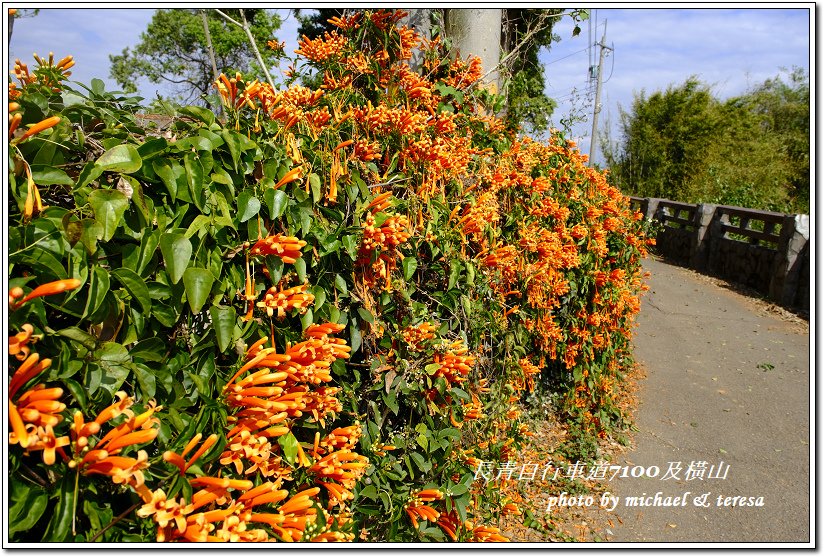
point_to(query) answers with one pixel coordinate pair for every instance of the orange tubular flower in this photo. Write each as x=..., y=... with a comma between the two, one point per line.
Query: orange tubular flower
x=488, y=534
x=285, y=300
x=38, y=127
x=425, y=512
x=48, y=289
x=30, y=368
x=224, y=483
x=14, y=123
x=290, y=176
x=286, y=247
x=18, y=344
x=178, y=459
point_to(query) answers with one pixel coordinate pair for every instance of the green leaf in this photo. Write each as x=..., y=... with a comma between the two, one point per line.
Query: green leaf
x=458, y=489
x=233, y=143
x=177, y=251
x=355, y=336
x=80, y=336
x=113, y=359
x=89, y=232
x=198, y=283
x=98, y=288
x=314, y=183
x=194, y=177
x=247, y=206
x=366, y=315
x=350, y=242
x=199, y=224
x=289, y=444
x=223, y=324
x=48, y=175
x=79, y=393
x=307, y=319
x=28, y=505
x=121, y=158
x=60, y=526
x=409, y=264
x=300, y=269
x=170, y=173
x=109, y=207
x=277, y=201
x=152, y=148
x=198, y=113
x=146, y=379
x=340, y=285
x=135, y=286
x=150, y=349
x=454, y=273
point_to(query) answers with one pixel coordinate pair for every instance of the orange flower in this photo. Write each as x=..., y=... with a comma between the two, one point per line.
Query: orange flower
x=37, y=128
x=48, y=289
x=290, y=176
x=286, y=247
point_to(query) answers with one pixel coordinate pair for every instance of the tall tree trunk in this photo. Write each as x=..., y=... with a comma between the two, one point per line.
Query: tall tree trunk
x=419, y=19
x=478, y=32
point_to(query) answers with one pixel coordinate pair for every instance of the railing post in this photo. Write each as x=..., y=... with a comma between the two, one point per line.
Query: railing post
x=652, y=208
x=795, y=233
x=699, y=259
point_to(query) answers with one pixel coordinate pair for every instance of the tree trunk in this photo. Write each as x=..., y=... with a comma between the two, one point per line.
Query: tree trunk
x=477, y=32
x=419, y=19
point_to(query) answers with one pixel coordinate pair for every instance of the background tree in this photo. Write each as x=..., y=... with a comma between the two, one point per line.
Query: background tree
x=173, y=50
x=750, y=151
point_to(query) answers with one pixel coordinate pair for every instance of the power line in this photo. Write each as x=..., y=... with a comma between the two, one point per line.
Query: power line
x=567, y=56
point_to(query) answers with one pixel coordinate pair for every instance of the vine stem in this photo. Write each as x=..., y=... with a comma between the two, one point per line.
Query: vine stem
x=115, y=520
x=74, y=501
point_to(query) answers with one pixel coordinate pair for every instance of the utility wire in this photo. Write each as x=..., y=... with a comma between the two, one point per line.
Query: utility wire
x=612, y=51
x=567, y=56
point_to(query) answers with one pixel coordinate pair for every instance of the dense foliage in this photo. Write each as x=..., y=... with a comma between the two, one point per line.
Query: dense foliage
x=751, y=151
x=314, y=319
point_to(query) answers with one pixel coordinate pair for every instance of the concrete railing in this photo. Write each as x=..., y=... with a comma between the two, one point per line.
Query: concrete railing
x=764, y=250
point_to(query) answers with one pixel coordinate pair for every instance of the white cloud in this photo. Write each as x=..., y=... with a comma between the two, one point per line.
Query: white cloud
x=729, y=49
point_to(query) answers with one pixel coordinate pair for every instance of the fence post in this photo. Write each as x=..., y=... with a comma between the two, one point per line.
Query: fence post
x=795, y=233
x=704, y=214
x=651, y=208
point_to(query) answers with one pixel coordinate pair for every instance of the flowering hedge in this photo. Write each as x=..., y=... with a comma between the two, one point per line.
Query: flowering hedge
x=311, y=319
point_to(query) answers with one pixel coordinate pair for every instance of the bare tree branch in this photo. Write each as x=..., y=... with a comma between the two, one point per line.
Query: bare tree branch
x=245, y=27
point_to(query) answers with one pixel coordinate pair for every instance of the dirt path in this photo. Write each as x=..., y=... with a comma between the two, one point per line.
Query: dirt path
x=727, y=384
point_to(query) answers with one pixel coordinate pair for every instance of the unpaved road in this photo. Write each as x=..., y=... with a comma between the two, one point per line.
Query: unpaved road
x=726, y=383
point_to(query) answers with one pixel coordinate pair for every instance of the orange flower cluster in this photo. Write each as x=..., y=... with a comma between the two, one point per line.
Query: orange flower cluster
x=279, y=300
x=464, y=73
x=286, y=247
x=484, y=211
x=454, y=363
x=234, y=97
x=103, y=457
x=331, y=45
x=48, y=73
x=378, y=252
x=34, y=413
x=418, y=337
x=416, y=507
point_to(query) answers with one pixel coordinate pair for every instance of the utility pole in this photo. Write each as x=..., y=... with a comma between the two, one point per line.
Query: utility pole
x=597, y=109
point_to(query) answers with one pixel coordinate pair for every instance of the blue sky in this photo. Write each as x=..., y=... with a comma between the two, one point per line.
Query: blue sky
x=730, y=49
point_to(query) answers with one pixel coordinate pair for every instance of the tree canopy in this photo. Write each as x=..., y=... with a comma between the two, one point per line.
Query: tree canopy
x=173, y=50
x=686, y=144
